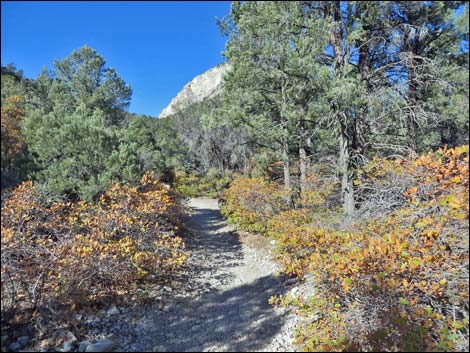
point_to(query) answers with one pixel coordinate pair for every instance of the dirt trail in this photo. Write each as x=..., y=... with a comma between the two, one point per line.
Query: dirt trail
x=224, y=306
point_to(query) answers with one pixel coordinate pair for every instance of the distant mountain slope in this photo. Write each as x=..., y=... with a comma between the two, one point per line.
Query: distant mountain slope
x=205, y=85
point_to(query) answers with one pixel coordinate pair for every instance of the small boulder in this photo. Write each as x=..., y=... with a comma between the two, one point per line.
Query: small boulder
x=104, y=345
x=22, y=341
x=83, y=346
x=112, y=311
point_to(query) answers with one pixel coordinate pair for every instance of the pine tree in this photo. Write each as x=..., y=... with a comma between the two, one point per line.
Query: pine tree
x=74, y=124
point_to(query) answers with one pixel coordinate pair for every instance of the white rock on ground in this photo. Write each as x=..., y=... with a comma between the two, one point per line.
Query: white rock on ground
x=83, y=345
x=104, y=345
x=112, y=311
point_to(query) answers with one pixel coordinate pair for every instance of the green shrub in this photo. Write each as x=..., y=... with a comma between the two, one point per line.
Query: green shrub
x=193, y=185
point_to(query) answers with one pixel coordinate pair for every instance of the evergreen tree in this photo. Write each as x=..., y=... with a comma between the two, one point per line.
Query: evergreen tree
x=71, y=150
x=275, y=75
x=83, y=78
x=73, y=127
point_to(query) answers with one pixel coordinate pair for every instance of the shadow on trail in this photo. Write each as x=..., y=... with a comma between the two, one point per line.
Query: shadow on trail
x=206, y=219
x=210, y=238
x=239, y=319
x=227, y=317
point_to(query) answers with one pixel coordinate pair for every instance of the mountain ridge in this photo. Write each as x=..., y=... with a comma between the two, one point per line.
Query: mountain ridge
x=205, y=85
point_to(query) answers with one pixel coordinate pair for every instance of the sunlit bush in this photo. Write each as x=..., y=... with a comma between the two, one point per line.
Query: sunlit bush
x=193, y=185
x=394, y=283
x=67, y=254
x=251, y=202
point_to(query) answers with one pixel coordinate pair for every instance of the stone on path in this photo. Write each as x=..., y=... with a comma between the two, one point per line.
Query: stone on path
x=104, y=345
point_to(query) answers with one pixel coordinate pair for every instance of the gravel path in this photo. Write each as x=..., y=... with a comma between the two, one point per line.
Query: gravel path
x=224, y=304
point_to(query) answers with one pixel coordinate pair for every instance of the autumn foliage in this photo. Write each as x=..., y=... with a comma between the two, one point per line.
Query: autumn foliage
x=12, y=140
x=251, y=202
x=397, y=281
x=194, y=185
x=62, y=254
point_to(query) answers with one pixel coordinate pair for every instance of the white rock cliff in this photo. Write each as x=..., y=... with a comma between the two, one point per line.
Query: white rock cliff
x=205, y=85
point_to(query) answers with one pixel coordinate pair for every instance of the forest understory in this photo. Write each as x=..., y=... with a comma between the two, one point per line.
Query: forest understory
x=336, y=148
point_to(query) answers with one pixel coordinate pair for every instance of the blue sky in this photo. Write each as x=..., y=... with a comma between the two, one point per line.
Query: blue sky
x=156, y=47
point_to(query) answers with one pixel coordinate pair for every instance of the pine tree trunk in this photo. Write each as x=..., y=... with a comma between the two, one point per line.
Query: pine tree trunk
x=411, y=133
x=286, y=169
x=359, y=141
x=286, y=164
x=285, y=146
x=336, y=39
x=347, y=191
x=309, y=144
x=303, y=169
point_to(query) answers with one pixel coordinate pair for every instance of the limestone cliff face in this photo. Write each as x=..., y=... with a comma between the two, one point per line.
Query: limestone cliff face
x=203, y=86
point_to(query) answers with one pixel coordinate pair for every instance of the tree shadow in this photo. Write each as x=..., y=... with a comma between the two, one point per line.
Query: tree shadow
x=205, y=219
x=238, y=319
x=209, y=235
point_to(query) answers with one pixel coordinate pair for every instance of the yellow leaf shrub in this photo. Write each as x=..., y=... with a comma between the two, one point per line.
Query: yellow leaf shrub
x=12, y=141
x=317, y=189
x=193, y=185
x=68, y=253
x=395, y=280
x=251, y=202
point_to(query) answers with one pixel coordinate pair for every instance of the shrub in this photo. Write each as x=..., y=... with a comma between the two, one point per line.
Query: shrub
x=12, y=141
x=297, y=232
x=193, y=185
x=60, y=254
x=380, y=185
x=251, y=202
x=394, y=283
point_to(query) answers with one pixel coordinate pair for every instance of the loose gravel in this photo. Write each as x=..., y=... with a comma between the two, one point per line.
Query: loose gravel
x=220, y=304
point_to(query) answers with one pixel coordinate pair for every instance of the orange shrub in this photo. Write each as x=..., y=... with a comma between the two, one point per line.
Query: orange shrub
x=12, y=141
x=296, y=232
x=251, y=202
x=319, y=189
x=397, y=283
x=58, y=253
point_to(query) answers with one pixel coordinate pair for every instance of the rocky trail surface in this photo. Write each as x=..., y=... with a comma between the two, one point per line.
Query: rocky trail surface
x=220, y=304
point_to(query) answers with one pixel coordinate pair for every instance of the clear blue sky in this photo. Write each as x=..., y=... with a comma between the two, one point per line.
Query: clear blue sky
x=156, y=47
